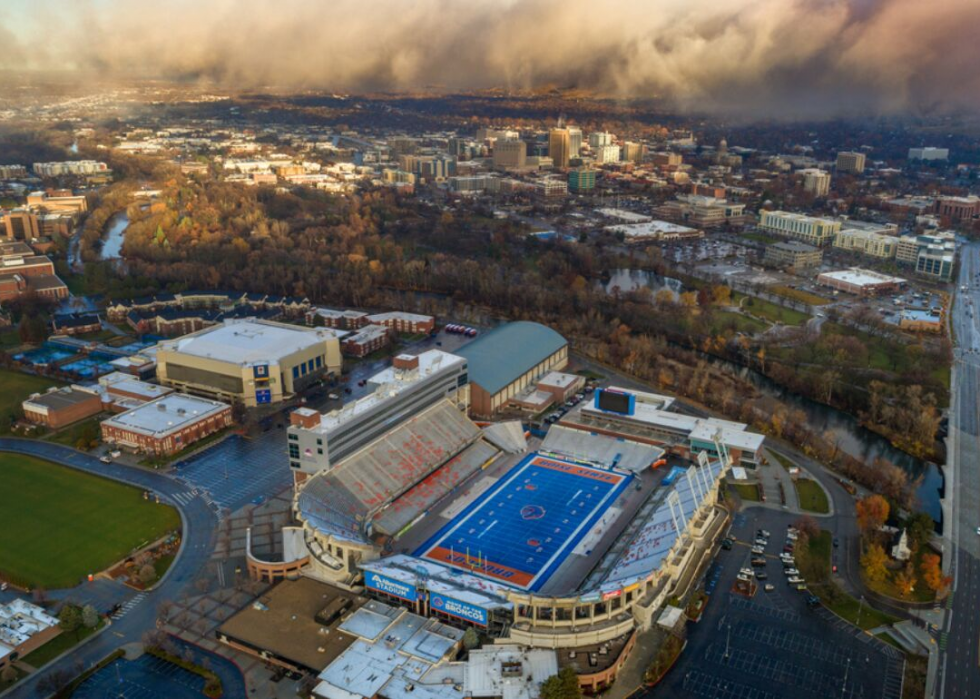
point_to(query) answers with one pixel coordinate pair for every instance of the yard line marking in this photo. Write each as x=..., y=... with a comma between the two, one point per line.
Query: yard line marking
x=492, y=524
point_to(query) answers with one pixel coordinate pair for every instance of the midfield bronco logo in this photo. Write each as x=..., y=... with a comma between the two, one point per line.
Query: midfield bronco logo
x=532, y=512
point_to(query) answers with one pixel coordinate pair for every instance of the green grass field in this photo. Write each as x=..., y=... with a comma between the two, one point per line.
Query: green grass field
x=812, y=496
x=799, y=295
x=774, y=313
x=17, y=387
x=60, y=524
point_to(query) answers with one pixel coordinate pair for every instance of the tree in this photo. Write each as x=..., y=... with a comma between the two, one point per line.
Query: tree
x=9, y=674
x=471, y=639
x=920, y=528
x=564, y=685
x=932, y=573
x=147, y=574
x=70, y=618
x=905, y=581
x=807, y=525
x=873, y=561
x=872, y=512
x=90, y=617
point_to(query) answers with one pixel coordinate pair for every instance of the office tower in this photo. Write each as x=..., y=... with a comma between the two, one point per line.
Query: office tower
x=559, y=147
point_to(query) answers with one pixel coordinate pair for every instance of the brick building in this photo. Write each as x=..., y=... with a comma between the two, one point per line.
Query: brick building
x=62, y=406
x=166, y=425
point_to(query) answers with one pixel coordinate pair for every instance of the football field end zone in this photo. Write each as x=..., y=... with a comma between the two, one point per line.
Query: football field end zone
x=479, y=562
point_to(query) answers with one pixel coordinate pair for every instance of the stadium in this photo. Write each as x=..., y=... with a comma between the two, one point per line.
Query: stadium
x=570, y=542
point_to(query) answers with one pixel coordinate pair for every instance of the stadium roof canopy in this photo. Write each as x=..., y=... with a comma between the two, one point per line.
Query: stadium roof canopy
x=509, y=351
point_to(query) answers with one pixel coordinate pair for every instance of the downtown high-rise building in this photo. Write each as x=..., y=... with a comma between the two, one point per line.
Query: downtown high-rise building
x=559, y=147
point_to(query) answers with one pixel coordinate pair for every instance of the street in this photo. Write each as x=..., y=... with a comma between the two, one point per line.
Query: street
x=960, y=666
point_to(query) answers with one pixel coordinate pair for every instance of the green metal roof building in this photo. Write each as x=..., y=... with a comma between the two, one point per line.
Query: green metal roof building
x=508, y=359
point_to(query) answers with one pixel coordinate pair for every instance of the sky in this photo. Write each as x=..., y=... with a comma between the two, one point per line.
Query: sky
x=810, y=58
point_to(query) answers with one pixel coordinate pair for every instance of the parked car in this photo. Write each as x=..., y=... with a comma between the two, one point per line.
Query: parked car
x=727, y=544
x=769, y=587
x=758, y=550
x=758, y=562
x=333, y=396
x=105, y=459
x=791, y=572
x=761, y=575
x=115, y=453
x=763, y=533
x=761, y=542
x=812, y=601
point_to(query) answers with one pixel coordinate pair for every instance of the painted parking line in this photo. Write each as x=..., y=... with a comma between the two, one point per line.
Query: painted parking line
x=785, y=672
x=703, y=684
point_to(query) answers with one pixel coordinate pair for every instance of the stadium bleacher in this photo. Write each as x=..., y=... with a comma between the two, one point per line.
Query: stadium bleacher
x=651, y=544
x=340, y=501
x=433, y=488
x=600, y=449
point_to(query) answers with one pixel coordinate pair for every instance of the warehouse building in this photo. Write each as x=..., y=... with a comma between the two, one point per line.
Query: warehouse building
x=508, y=359
x=62, y=406
x=249, y=361
x=862, y=282
x=166, y=425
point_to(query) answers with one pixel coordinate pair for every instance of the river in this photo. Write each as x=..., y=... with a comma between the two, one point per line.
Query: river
x=112, y=241
x=855, y=439
x=627, y=280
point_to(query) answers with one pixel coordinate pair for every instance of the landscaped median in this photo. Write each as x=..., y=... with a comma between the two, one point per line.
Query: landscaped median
x=812, y=496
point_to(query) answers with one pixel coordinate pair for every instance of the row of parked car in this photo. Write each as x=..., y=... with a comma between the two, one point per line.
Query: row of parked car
x=455, y=329
x=569, y=404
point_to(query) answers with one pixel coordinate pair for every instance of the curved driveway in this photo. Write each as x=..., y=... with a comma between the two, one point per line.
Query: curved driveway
x=200, y=523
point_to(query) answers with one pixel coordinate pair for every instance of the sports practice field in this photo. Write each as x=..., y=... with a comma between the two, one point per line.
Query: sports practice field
x=59, y=524
x=521, y=530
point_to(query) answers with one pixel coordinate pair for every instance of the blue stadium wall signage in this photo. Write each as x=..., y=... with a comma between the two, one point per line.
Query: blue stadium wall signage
x=461, y=610
x=263, y=396
x=382, y=583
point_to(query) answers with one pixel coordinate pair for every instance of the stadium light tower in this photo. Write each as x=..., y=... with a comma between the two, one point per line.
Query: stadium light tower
x=722, y=450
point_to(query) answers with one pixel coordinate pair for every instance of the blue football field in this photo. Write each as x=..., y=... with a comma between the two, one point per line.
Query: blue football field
x=521, y=530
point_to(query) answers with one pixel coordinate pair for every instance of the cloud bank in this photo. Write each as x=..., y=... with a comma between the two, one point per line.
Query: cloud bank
x=814, y=58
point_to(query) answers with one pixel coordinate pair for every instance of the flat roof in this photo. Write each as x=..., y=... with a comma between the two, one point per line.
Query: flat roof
x=390, y=382
x=283, y=622
x=560, y=379
x=248, y=341
x=920, y=315
x=651, y=228
x=61, y=398
x=165, y=415
x=861, y=277
x=118, y=381
x=485, y=676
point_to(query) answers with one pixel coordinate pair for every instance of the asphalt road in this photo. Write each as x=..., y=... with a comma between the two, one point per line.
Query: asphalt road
x=960, y=666
x=200, y=523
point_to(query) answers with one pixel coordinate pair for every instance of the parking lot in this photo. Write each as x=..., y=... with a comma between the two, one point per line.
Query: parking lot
x=772, y=644
x=237, y=470
x=147, y=677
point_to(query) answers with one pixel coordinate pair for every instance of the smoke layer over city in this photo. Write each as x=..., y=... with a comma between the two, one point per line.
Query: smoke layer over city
x=815, y=58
